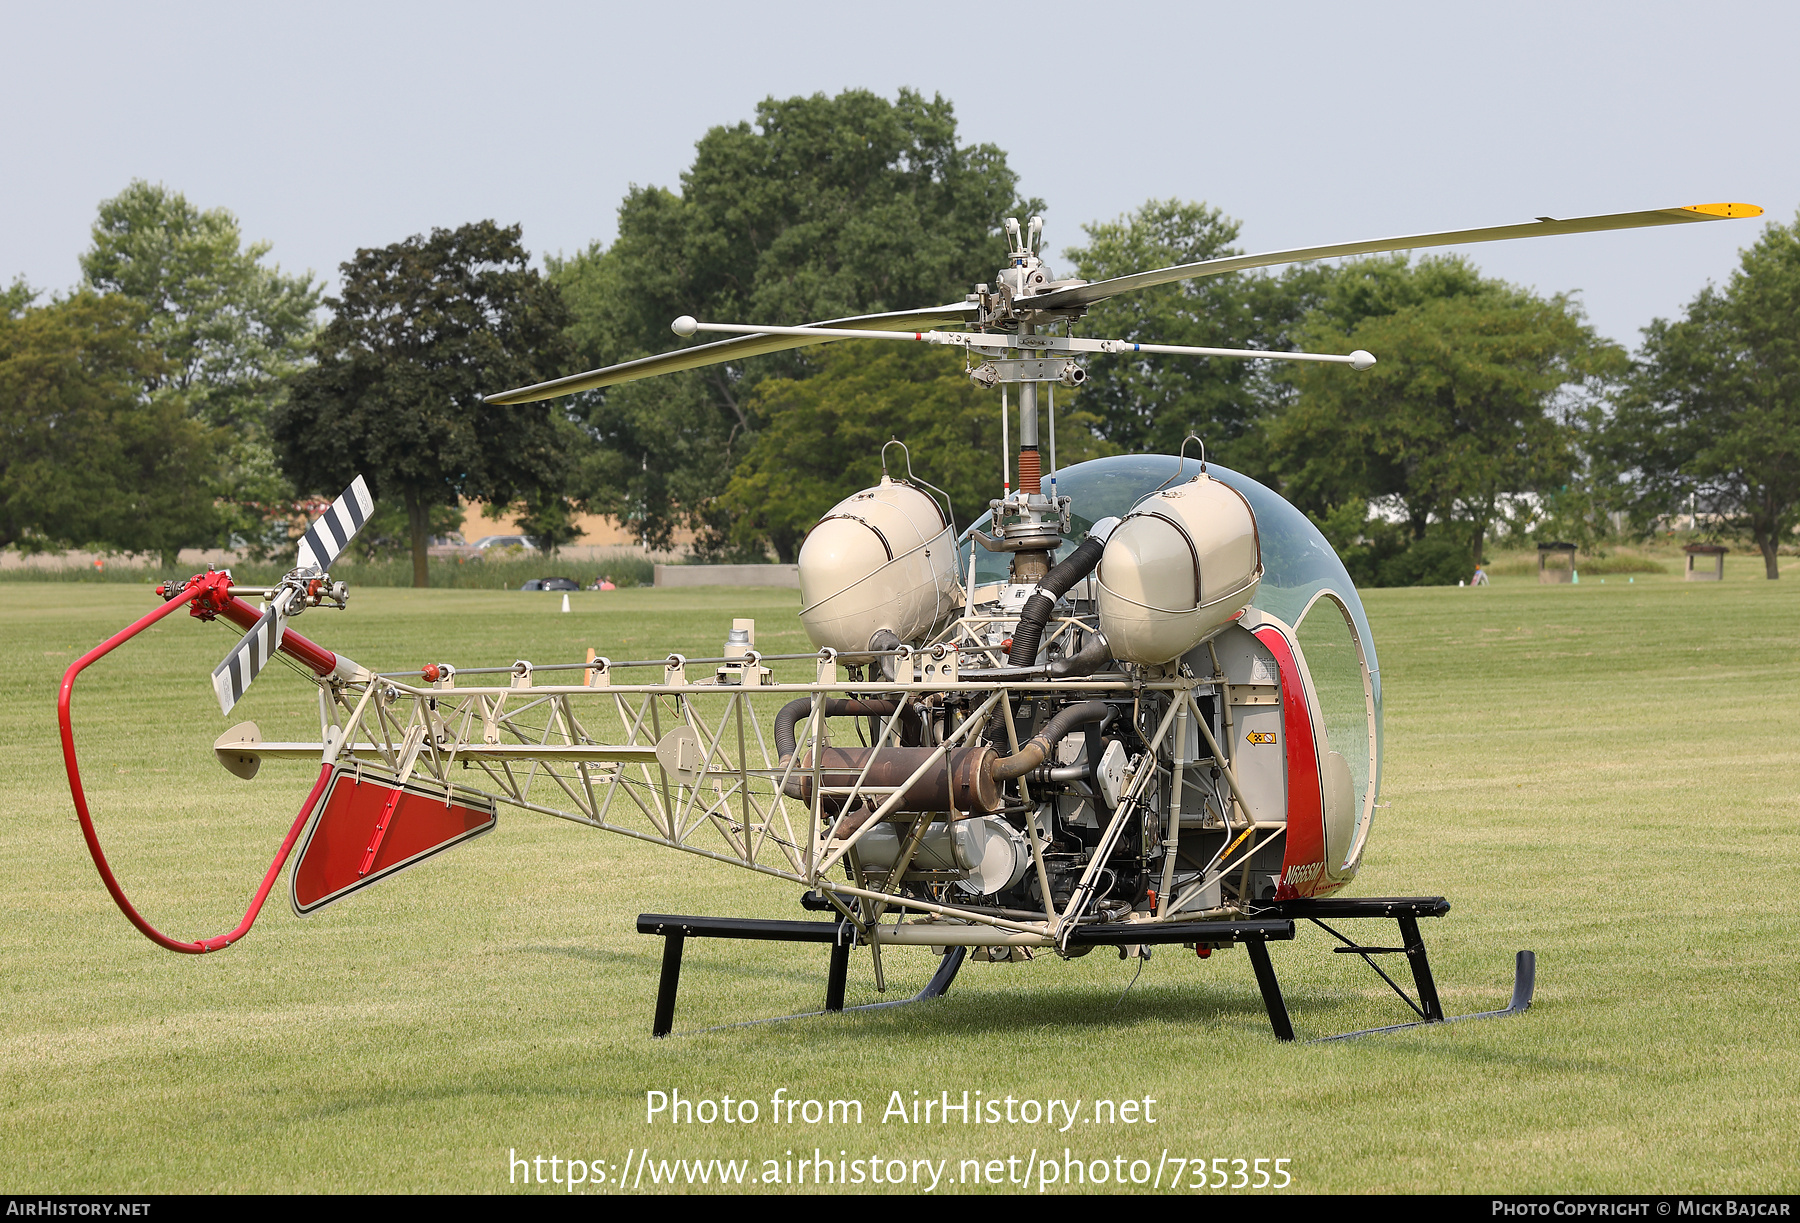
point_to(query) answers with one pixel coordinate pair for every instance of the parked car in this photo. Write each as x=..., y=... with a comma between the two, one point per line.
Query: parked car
x=551, y=584
x=450, y=545
x=488, y=543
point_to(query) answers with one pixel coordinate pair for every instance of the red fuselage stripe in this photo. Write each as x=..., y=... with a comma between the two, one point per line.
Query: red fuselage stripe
x=1305, y=801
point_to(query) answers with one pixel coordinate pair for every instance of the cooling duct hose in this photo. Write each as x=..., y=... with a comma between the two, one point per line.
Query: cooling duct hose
x=1055, y=585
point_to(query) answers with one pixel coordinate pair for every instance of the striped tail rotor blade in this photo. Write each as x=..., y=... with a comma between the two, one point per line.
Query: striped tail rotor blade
x=232, y=678
x=330, y=533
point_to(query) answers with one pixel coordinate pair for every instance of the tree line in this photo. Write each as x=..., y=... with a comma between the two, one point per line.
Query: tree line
x=187, y=392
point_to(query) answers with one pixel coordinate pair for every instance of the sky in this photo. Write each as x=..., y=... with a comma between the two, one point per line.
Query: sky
x=327, y=127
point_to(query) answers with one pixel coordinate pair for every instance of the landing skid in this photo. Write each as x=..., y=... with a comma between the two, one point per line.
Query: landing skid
x=676, y=930
x=1405, y=911
x=1275, y=923
x=1524, y=984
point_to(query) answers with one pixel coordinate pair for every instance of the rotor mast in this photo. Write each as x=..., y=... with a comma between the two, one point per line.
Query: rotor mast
x=1029, y=524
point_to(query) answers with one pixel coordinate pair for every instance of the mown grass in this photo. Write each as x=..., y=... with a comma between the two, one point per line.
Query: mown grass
x=1613, y=562
x=1608, y=774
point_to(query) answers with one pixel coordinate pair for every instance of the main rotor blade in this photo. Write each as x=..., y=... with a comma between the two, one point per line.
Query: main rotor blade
x=332, y=531
x=731, y=350
x=1543, y=227
x=233, y=677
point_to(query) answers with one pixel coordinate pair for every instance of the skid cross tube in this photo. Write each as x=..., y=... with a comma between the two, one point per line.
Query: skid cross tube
x=1405, y=911
x=1427, y=1008
x=1524, y=986
x=676, y=929
x=1255, y=935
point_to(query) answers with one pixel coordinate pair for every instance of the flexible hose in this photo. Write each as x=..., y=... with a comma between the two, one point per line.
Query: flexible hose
x=885, y=640
x=1077, y=565
x=1038, y=749
x=835, y=707
x=1093, y=656
x=1029, y=756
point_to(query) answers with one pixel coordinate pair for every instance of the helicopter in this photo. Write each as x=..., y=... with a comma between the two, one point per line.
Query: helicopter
x=1134, y=703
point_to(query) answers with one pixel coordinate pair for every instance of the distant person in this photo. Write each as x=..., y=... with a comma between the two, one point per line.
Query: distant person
x=604, y=582
x=1480, y=578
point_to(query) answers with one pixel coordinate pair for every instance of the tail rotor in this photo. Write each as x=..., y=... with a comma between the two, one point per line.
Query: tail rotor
x=233, y=676
x=330, y=533
x=308, y=584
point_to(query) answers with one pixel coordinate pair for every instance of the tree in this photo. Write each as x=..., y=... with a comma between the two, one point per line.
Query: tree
x=1471, y=399
x=386, y=534
x=421, y=330
x=16, y=298
x=229, y=326
x=825, y=207
x=823, y=436
x=1712, y=412
x=1153, y=402
x=87, y=457
x=1310, y=452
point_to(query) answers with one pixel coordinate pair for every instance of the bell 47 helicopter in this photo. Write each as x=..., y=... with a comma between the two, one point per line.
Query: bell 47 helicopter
x=1136, y=702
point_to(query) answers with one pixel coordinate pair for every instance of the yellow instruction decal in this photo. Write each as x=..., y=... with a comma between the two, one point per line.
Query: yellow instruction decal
x=1257, y=736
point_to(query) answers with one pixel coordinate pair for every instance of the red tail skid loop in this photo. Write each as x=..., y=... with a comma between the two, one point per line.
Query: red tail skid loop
x=87, y=823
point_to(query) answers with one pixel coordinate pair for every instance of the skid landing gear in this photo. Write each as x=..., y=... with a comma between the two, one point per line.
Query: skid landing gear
x=1274, y=924
x=1406, y=912
x=675, y=930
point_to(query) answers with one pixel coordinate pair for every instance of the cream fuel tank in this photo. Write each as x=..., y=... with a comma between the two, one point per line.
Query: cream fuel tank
x=881, y=561
x=1180, y=566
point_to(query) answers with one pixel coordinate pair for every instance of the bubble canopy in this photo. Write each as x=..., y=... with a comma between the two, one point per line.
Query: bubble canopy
x=1297, y=562
x=1298, y=565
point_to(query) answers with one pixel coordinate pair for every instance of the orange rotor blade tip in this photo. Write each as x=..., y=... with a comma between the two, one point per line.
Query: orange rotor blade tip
x=1725, y=210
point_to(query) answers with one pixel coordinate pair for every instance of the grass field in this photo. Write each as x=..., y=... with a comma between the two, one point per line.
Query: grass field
x=1607, y=773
